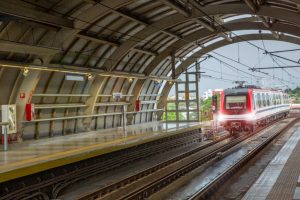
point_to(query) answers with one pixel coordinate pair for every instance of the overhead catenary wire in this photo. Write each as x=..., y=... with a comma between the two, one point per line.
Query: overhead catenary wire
x=212, y=20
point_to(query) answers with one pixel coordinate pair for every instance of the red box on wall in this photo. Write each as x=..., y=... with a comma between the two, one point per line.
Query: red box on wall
x=29, y=112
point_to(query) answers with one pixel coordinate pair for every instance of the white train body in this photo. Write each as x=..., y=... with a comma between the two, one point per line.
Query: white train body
x=247, y=108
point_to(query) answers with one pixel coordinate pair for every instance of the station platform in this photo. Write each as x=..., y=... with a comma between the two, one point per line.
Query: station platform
x=30, y=157
x=281, y=179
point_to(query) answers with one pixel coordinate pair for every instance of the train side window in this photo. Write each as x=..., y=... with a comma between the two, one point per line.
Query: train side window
x=273, y=99
x=258, y=100
x=286, y=99
x=253, y=101
x=268, y=99
x=263, y=100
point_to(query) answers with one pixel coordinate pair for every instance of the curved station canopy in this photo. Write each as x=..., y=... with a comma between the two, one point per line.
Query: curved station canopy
x=117, y=46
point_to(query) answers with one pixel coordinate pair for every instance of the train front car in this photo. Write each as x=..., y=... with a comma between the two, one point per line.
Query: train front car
x=236, y=110
x=244, y=109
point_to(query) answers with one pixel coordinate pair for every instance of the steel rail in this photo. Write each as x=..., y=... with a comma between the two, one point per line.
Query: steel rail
x=207, y=191
x=110, y=188
x=150, y=188
x=84, y=171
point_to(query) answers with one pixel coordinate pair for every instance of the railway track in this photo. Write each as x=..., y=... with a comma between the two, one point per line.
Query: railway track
x=115, y=186
x=207, y=191
x=49, y=184
x=148, y=182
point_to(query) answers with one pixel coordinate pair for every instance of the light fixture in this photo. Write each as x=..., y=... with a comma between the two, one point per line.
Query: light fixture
x=170, y=82
x=25, y=71
x=130, y=79
x=157, y=81
x=90, y=77
x=82, y=74
x=74, y=77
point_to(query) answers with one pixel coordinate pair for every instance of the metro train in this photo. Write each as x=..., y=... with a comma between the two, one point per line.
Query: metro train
x=246, y=108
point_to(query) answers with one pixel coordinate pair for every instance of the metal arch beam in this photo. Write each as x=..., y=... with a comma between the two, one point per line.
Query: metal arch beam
x=8, y=46
x=203, y=34
x=173, y=5
x=215, y=46
x=210, y=10
x=112, y=43
x=34, y=15
x=255, y=8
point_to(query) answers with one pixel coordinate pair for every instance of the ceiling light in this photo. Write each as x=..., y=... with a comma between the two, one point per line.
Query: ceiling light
x=25, y=71
x=90, y=77
x=130, y=79
x=74, y=77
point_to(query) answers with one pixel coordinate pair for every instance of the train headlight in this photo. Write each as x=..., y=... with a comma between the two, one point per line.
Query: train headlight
x=250, y=116
x=221, y=118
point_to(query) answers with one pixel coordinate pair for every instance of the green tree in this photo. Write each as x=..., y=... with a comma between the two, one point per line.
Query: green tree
x=294, y=94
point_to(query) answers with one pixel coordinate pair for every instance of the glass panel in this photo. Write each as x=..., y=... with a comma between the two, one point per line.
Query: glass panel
x=192, y=77
x=182, y=115
x=193, y=105
x=171, y=116
x=181, y=87
x=192, y=86
x=193, y=116
x=182, y=106
x=193, y=96
x=171, y=106
x=182, y=77
x=181, y=96
x=236, y=102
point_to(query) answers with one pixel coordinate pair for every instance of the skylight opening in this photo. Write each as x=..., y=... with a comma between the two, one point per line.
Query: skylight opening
x=213, y=41
x=236, y=17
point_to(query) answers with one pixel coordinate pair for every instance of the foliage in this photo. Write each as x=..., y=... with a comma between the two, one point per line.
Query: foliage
x=205, y=105
x=294, y=94
x=172, y=115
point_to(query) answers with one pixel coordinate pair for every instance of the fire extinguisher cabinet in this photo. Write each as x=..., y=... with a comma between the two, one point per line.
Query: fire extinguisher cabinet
x=137, y=105
x=29, y=112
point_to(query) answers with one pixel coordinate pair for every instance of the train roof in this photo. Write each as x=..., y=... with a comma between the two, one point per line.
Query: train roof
x=242, y=90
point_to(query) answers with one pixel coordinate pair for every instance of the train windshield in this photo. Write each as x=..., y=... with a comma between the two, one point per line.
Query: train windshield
x=236, y=102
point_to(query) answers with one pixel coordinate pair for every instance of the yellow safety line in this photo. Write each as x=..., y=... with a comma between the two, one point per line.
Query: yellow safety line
x=71, y=156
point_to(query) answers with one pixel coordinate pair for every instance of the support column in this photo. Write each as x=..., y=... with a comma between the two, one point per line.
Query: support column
x=135, y=91
x=28, y=86
x=124, y=119
x=173, y=68
x=198, y=75
x=92, y=100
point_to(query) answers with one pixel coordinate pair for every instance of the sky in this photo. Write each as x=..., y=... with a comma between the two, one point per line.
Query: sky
x=248, y=55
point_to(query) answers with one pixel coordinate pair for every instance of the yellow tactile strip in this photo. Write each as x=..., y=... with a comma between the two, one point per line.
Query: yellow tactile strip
x=286, y=183
x=42, y=163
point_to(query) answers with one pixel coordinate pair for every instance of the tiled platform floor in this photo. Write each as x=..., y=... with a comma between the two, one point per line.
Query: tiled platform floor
x=34, y=156
x=279, y=179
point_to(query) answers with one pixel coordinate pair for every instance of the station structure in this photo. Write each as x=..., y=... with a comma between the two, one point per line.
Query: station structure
x=86, y=80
